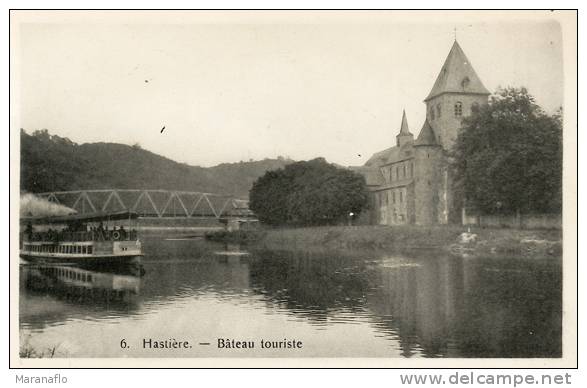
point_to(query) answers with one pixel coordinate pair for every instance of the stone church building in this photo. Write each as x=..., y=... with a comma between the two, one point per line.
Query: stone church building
x=410, y=182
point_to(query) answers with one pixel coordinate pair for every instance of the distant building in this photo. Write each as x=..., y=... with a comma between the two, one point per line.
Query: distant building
x=410, y=182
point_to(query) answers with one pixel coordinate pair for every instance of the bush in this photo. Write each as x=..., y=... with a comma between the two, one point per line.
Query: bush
x=308, y=193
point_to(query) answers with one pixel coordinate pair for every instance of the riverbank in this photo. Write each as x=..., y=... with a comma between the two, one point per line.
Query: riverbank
x=450, y=238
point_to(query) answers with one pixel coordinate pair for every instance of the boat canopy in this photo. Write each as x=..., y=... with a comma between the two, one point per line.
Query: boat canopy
x=81, y=218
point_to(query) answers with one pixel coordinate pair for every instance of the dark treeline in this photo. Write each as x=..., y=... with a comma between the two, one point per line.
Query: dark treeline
x=52, y=163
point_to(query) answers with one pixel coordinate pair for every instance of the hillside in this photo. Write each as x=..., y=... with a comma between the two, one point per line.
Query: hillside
x=53, y=163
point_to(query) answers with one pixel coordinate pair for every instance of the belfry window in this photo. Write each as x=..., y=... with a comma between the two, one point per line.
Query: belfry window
x=431, y=113
x=438, y=110
x=458, y=109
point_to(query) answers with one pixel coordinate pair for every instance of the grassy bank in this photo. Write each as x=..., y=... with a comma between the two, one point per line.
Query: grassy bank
x=406, y=237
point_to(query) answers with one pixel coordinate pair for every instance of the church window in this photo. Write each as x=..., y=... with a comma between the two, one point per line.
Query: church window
x=401, y=196
x=404, y=170
x=431, y=113
x=393, y=197
x=412, y=169
x=397, y=172
x=438, y=110
x=458, y=109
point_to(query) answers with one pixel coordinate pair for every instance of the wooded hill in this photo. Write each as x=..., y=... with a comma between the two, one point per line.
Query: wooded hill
x=53, y=163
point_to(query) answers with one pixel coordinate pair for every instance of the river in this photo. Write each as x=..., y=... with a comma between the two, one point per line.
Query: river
x=331, y=304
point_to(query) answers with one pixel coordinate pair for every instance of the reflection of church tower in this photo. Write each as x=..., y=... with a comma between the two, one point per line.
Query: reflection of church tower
x=456, y=90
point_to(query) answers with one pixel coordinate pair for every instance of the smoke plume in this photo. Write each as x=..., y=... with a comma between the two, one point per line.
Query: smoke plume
x=31, y=206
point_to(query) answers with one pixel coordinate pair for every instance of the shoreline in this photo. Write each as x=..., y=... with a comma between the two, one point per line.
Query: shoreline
x=455, y=239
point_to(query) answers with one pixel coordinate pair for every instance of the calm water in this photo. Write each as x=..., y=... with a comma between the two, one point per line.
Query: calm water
x=360, y=304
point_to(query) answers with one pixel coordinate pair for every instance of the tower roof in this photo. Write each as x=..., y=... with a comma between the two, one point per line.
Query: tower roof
x=426, y=136
x=405, y=130
x=457, y=75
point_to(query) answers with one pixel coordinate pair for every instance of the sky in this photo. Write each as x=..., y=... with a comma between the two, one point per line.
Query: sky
x=238, y=86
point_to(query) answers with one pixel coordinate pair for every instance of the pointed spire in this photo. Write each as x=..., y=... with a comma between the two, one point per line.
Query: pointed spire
x=405, y=130
x=404, y=136
x=457, y=75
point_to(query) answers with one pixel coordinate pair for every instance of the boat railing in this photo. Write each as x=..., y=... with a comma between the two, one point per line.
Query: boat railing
x=92, y=235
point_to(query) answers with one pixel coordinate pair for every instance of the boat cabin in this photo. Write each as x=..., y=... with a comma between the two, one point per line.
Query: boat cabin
x=97, y=235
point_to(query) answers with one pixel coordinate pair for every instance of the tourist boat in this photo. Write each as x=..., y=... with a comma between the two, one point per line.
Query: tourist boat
x=92, y=238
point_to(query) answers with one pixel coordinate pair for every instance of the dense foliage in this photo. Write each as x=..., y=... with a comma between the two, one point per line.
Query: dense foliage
x=508, y=156
x=53, y=163
x=308, y=193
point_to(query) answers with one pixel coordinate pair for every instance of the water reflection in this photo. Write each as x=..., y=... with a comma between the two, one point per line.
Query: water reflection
x=76, y=291
x=439, y=305
x=428, y=304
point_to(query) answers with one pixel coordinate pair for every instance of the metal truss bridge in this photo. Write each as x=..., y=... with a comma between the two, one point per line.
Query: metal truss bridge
x=152, y=203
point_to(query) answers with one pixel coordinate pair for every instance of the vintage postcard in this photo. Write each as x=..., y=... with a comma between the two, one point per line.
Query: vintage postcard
x=293, y=189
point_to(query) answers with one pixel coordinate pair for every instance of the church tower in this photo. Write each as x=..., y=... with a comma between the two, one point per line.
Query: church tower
x=456, y=90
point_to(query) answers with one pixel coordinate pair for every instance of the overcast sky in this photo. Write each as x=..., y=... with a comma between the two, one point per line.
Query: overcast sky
x=254, y=86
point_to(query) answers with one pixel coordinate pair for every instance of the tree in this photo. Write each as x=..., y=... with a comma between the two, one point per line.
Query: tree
x=308, y=193
x=508, y=156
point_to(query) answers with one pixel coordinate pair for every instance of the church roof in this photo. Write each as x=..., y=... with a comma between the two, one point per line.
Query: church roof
x=373, y=175
x=457, y=76
x=426, y=136
x=382, y=157
x=405, y=130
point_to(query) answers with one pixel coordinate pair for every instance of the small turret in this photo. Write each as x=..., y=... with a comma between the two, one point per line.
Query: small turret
x=405, y=136
x=426, y=136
